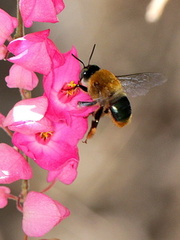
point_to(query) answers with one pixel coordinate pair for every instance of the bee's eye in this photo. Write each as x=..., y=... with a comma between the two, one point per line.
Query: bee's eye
x=83, y=73
x=88, y=71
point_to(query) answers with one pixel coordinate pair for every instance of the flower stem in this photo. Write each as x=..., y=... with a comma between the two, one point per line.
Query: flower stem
x=25, y=188
x=9, y=133
x=13, y=197
x=25, y=184
x=25, y=94
x=20, y=28
x=49, y=186
x=25, y=237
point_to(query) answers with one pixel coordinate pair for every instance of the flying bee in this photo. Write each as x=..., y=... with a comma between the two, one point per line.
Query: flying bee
x=109, y=92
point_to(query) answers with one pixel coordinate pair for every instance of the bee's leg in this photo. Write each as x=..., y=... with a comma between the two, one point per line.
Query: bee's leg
x=87, y=104
x=94, y=123
x=106, y=111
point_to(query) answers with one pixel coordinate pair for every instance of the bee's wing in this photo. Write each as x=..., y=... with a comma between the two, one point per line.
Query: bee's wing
x=140, y=83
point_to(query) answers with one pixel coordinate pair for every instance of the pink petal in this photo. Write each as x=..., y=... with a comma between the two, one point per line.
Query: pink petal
x=41, y=214
x=59, y=5
x=64, y=212
x=30, y=50
x=2, y=118
x=12, y=165
x=20, y=77
x=26, y=111
x=3, y=51
x=21, y=44
x=75, y=131
x=4, y=194
x=66, y=174
x=7, y=28
x=40, y=11
x=32, y=127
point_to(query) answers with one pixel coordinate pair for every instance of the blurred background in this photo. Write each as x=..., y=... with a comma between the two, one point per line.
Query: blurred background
x=128, y=187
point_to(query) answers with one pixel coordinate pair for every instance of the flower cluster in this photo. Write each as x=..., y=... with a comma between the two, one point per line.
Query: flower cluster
x=47, y=128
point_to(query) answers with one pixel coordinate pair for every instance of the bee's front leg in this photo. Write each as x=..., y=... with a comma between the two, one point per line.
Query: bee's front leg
x=87, y=104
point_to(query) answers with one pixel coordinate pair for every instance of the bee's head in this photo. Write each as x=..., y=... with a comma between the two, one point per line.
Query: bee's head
x=88, y=71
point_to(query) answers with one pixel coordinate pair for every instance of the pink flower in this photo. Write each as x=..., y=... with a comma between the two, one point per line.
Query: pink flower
x=35, y=52
x=40, y=11
x=41, y=214
x=20, y=77
x=12, y=165
x=51, y=149
x=3, y=51
x=62, y=93
x=4, y=194
x=50, y=144
x=27, y=116
x=67, y=173
x=7, y=26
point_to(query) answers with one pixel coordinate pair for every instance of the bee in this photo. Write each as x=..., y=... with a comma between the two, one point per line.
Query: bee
x=109, y=92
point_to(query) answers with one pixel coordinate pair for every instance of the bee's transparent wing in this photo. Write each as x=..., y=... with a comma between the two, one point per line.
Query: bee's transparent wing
x=140, y=83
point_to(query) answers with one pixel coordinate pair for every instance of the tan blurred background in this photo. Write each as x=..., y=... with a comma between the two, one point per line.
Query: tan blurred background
x=128, y=187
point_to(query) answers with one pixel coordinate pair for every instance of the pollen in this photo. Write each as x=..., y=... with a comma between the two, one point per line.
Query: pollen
x=44, y=137
x=71, y=84
x=70, y=88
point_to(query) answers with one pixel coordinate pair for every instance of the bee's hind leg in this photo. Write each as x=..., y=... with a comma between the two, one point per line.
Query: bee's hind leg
x=97, y=115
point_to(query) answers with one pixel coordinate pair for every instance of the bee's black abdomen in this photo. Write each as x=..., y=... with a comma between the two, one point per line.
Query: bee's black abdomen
x=121, y=109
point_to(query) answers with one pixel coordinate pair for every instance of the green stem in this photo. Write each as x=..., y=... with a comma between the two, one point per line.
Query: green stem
x=25, y=94
x=24, y=186
x=20, y=28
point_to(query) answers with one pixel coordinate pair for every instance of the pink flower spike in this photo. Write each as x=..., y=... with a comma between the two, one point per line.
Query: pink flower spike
x=12, y=165
x=6, y=29
x=24, y=115
x=40, y=11
x=66, y=174
x=41, y=214
x=20, y=77
x=4, y=194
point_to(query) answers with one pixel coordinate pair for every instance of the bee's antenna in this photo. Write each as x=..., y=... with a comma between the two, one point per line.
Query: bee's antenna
x=78, y=60
x=89, y=57
x=91, y=53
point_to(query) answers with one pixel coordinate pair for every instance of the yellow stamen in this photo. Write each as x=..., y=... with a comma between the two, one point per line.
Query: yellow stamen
x=70, y=88
x=45, y=135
